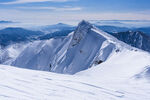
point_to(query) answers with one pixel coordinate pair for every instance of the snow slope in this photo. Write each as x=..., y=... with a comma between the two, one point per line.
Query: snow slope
x=39, y=54
x=116, y=79
x=9, y=53
x=76, y=52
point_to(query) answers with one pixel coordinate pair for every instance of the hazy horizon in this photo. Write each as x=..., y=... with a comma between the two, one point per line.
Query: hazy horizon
x=55, y=11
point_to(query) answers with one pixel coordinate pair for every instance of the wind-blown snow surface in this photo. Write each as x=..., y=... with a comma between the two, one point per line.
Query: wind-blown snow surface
x=116, y=79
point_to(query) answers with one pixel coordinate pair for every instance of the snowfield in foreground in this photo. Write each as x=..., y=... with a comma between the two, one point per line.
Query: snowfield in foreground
x=124, y=76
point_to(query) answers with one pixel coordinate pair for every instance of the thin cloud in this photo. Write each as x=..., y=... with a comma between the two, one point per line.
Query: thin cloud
x=46, y=17
x=52, y=8
x=32, y=1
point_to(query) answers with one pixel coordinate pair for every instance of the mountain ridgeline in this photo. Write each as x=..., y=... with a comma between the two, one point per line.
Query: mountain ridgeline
x=135, y=38
x=80, y=50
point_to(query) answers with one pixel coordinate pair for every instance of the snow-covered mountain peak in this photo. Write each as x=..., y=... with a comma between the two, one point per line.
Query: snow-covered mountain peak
x=88, y=46
x=81, y=31
x=83, y=27
x=83, y=48
x=62, y=24
x=84, y=23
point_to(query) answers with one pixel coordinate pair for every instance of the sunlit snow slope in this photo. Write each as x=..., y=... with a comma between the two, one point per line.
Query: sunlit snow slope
x=122, y=77
x=9, y=53
x=83, y=48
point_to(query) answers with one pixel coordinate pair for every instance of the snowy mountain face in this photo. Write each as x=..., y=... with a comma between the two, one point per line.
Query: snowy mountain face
x=80, y=50
x=145, y=30
x=9, y=53
x=135, y=38
x=84, y=50
x=39, y=54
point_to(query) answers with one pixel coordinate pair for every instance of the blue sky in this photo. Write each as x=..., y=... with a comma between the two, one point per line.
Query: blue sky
x=53, y=11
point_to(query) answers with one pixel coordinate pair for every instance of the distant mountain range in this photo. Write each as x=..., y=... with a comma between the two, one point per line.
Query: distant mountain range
x=53, y=28
x=57, y=27
x=112, y=29
x=146, y=30
x=3, y=22
x=122, y=23
x=15, y=35
x=55, y=34
x=135, y=38
x=115, y=29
